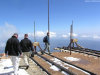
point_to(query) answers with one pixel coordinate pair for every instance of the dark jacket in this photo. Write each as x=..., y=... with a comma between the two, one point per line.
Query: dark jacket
x=48, y=41
x=13, y=47
x=26, y=45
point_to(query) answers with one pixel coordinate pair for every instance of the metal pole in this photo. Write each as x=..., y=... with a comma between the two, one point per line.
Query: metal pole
x=71, y=36
x=71, y=32
x=48, y=24
x=34, y=37
x=34, y=32
x=48, y=17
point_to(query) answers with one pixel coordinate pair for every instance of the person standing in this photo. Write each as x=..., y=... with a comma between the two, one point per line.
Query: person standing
x=47, y=43
x=13, y=49
x=26, y=47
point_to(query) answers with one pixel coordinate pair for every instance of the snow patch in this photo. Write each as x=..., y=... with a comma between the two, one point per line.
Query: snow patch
x=72, y=59
x=59, y=62
x=54, y=68
x=6, y=68
x=64, y=73
x=63, y=64
x=22, y=72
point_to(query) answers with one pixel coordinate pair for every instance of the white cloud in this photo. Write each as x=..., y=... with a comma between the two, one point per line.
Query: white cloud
x=7, y=31
x=85, y=36
x=2, y=44
x=96, y=37
x=64, y=36
x=74, y=34
x=40, y=34
x=90, y=36
x=52, y=34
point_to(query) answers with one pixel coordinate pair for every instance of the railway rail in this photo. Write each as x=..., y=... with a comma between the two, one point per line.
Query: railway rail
x=83, y=50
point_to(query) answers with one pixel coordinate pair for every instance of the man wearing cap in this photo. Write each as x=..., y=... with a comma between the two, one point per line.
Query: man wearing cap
x=13, y=49
x=26, y=47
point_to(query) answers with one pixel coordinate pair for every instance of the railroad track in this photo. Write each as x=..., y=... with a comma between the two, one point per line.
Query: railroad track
x=84, y=51
x=40, y=66
x=47, y=58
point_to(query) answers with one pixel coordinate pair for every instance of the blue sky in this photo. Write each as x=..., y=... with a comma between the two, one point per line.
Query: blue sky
x=21, y=14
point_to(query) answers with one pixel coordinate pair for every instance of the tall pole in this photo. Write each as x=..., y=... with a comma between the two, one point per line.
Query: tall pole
x=34, y=32
x=71, y=36
x=34, y=38
x=71, y=31
x=48, y=18
x=48, y=26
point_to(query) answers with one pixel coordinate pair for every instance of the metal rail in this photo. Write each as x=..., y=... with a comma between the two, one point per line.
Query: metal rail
x=60, y=67
x=40, y=66
x=72, y=64
x=85, y=51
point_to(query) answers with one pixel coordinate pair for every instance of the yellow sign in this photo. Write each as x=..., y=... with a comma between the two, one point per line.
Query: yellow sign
x=75, y=40
x=36, y=44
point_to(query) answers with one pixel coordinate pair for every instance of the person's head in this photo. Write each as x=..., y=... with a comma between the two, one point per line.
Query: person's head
x=16, y=35
x=26, y=36
x=47, y=33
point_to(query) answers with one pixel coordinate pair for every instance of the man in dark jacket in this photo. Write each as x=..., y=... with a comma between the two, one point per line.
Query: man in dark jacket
x=26, y=47
x=13, y=49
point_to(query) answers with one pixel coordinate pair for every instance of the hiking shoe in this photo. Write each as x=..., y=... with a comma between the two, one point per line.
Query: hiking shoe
x=27, y=67
x=42, y=52
x=50, y=53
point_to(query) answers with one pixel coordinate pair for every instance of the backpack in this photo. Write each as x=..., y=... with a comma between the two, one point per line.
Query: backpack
x=45, y=39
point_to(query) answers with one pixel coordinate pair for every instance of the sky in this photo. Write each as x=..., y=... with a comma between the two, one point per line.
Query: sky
x=19, y=16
